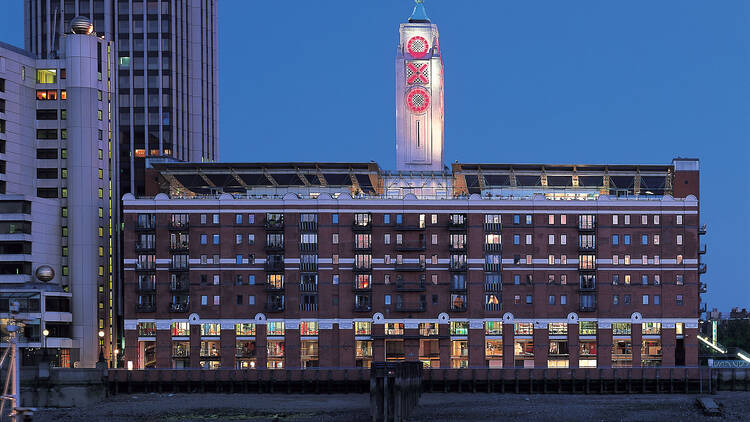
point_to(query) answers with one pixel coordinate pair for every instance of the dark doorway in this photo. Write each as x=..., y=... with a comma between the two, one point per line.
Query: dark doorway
x=679, y=353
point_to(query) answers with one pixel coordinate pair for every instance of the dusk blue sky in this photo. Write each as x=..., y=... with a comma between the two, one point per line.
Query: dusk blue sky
x=542, y=81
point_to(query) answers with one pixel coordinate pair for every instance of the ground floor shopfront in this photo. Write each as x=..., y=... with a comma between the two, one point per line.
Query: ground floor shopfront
x=506, y=343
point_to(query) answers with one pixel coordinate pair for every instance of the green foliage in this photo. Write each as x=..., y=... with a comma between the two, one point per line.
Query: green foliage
x=735, y=333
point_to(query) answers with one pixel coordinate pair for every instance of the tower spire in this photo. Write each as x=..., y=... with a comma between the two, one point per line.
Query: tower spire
x=419, y=15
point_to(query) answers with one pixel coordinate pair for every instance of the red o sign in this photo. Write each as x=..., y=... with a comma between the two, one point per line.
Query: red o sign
x=418, y=100
x=418, y=47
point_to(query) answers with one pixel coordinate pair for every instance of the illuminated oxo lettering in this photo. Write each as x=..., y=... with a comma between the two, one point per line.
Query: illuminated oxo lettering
x=416, y=73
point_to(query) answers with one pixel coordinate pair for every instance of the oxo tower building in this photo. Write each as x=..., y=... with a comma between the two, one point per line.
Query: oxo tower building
x=419, y=95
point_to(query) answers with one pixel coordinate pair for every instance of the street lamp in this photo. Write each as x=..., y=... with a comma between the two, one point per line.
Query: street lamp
x=101, y=346
x=45, y=333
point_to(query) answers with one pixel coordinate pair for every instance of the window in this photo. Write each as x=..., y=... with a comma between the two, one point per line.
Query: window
x=627, y=259
x=516, y=219
x=678, y=300
x=615, y=219
x=563, y=299
x=656, y=239
x=203, y=218
x=516, y=239
x=529, y=299
x=621, y=328
x=644, y=279
x=238, y=219
x=334, y=219
x=387, y=299
x=679, y=219
x=563, y=259
x=215, y=239
x=459, y=328
x=551, y=261
x=644, y=219
x=679, y=259
x=434, y=239
x=204, y=239
x=645, y=299
x=679, y=279
x=204, y=300
x=335, y=279
x=46, y=76
x=251, y=219
x=563, y=279
x=657, y=300
x=657, y=279
x=251, y=280
x=434, y=219
x=587, y=328
x=551, y=239
x=524, y=329
x=679, y=239
x=627, y=279
x=216, y=280
x=627, y=219
x=551, y=300
x=627, y=299
x=335, y=238
x=216, y=218
x=626, y=239
x=551, y=219
x=563, y=239
x=657, y=260
x=528, y=239
x=251, y=239
x=644, y=239
x=528, y=219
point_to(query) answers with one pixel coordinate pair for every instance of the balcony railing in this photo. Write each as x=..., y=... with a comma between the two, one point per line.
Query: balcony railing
x=178, y=307
x=274, y=247
x=703, y=249
x=587, y=308
x=492, y=266
x=586, y=248
x=145, y=266
x=147, y=287
x=308, y=226
x=244, y=352
x=586, y=284
x=362, y=267
x=411, y=307
x=457, y=287
x=178, y=246
x=494, y=286
x=586, y=226
x=274, y=225
x=179, y=225
x=145, y=247
x=407, y=247
x=458, y=266
x=702, y=229
x=181, y=352
x=145, y=307
x=411, y=266
x=308, y=287
x=458, y=308
x=179, y=267
x=362, y=287
x=493, y=306
x=274, y=287
x=703, y=288
x=493, y=247
x=493, y=227
x=274, y=307
x=362, y=227
x=460, y=248
x=308, y=266
x=416, y=286
x=409, y=227
x=179, y=285
x=308, y=306
x=308, y=247
x=274, y=265
x=702, y=268
x=142, y=227
x=362, y=307
x=363, y=248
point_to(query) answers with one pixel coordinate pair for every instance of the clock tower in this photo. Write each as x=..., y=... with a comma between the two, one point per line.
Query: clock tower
x=419, y=95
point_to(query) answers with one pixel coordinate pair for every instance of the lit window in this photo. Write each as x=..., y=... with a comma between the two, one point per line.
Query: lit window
x=563, y=239
x=679, y=239
x=528, y=219
x=101, y=173
x=656, y=219
x=434, y=218
x=644, y=219
x=217, y=299
x=46, y=76
x=627, y=219
x=615, y=219
x=679, y=219
x=528, y=239
x=204, y=300
x=335, y=239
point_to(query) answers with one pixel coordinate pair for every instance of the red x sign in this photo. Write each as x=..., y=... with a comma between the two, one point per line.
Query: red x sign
x=416, y=73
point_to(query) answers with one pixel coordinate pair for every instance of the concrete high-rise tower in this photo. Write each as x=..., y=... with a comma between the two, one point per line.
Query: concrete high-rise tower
x=419, y=95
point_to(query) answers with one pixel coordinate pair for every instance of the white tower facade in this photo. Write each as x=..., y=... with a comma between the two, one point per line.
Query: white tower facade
x=419, y=95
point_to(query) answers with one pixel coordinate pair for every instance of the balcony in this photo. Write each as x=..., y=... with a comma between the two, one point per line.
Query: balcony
x=493, y=247
x=308, y=266
x=179, y=225
x=411, y=307
x=493, y=307
x=458, y=308
x=274, y=225
x=244, y=352
x=362, y=307
x=274, y=247
x=363, y=248
x=361, y=226
x=362, y=287
x=493, y=227
x=178, y=307
x=494, y=286
x=145, y=227
x=145, y=307
x=458, y=287
x=308, y=226
x=457, y=222
x=703, y=250
x=416, y=286
x=180, y=352
x=147, y=287
x=308, y=287
x=411, y=247
x=274, y=287
x=274, y=307
x=586, y=284
x=145, y=247
x=457, y=248
x=586, y=308
x=308, y=247
x=458, y=266
x=586, y=226
x=409, y=227
x=492, y=267
x=178, y=247
x=410, y=266
x=702, y=229
x=275, y=265
x=308, y=307
x=703, y=288
x=145, y=266
x=179, y=286
x=179, y=267
x=586, y=248
x=362, y=267
x=702, y=268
